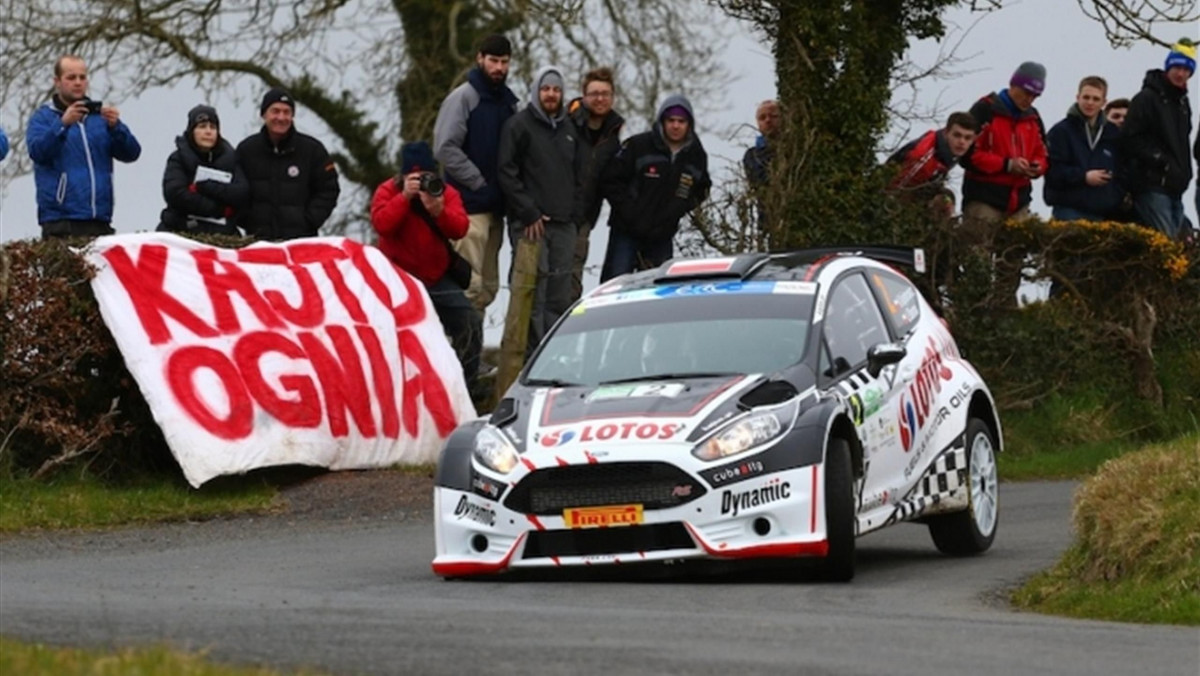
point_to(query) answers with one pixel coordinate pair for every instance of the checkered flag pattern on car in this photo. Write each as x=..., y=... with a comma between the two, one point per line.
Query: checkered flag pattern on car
x=945, y=476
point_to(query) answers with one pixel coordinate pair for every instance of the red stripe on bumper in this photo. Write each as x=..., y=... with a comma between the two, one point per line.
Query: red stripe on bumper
x=770, y=551
x=468, y=568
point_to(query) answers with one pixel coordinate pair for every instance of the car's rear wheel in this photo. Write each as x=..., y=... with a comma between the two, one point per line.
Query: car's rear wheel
x=838, y=564
x=972, y=531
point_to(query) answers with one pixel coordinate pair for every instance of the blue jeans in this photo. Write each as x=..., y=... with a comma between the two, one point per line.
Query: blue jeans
x=1072, y=214
x=628, y=254
x=1162, y=212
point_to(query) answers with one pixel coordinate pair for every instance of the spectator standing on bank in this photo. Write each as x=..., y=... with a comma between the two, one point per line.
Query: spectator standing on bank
x=416, y=222
x=73, y=141
x=466, y=140
x=922, y=165
x=539, y=165
x=1009, y=152
x=654, y=180
x=203, y=185
x=1154, y=142
x=1116, y=110
x=293, y=181
x=1081, y=183
x=757, y=160
x=598, y=128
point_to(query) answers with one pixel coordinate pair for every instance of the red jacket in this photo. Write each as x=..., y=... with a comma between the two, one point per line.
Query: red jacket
x=923, y=161
x=407, y=239
x=1003, y=135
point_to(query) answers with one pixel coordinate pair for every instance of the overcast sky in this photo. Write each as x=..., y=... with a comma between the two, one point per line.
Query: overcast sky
x=1053, y=32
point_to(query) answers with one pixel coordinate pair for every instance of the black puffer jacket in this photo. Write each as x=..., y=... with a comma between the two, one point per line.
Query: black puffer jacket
x=648, y=188
x=202, y=206
x=293, y=186
x=1154, y=140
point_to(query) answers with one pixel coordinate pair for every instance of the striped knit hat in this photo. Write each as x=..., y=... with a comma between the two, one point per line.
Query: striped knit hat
x=1183, y=53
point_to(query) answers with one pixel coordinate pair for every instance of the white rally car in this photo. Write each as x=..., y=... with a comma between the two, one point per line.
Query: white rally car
x=754, y=406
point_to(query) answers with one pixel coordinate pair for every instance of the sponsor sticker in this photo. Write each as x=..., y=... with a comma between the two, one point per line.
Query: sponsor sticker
x=634, y=391
x=466, y=509
x=628, y=431
x=602, y=517
x=734, y=502
x=803, y=288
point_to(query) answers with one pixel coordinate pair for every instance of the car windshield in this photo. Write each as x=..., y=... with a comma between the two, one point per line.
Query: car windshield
x=676, y=332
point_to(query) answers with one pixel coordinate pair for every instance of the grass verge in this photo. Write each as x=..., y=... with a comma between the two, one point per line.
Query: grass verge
x=71, y=502
x=35, y=659
x=1136, y=557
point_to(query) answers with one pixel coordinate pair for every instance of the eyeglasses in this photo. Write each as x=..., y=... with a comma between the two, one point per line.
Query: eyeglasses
x=599, y=95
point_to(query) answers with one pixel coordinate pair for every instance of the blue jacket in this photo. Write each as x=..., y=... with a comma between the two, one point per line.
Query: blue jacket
x=73, y=166
x=3, y=145
x=1072, y=155
x=466, y=140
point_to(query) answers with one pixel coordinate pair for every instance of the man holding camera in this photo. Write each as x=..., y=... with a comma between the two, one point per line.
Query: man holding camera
x=1009, y=152
x=417, y=216
x=73, y=141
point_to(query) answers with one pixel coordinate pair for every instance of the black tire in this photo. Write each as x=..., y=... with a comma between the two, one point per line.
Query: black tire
x=838, y=564
x=959, y=533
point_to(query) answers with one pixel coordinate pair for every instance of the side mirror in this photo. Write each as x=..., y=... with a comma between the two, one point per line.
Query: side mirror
x=882, y=355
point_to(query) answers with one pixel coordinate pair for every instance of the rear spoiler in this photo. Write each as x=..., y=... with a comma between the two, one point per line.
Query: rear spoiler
x=912, y=257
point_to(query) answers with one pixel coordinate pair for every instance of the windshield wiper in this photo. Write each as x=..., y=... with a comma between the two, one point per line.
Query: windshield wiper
x=548, y=382
x=668, y=376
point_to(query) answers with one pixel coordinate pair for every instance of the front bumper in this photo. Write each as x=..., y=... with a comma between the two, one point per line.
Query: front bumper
x=775, y=515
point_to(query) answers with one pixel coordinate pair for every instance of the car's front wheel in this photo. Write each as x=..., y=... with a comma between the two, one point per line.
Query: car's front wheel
x=972, y=531
x=838, y=564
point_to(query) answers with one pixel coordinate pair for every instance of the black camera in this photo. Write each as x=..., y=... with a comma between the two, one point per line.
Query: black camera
x=432, y=184
x=92, y=106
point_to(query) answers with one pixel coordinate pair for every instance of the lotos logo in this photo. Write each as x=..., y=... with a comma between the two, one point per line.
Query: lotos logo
x=557, y=438
x=775, y=490
x=614, y=432
x=916, y=402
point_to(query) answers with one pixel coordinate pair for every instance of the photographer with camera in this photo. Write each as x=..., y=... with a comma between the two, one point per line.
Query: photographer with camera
x=417, y=215
x=73, y=141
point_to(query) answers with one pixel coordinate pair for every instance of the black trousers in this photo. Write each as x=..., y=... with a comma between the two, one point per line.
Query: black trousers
x=463, y=325
x=69, y=228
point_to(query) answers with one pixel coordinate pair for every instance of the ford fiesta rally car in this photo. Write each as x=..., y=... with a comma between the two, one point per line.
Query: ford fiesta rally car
x=755, y=406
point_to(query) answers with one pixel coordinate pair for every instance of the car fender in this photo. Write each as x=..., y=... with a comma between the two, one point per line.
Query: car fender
x=454, y=462
x=817, y=423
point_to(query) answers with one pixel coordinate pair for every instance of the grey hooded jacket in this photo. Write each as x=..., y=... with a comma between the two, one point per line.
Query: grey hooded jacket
x=539, y=162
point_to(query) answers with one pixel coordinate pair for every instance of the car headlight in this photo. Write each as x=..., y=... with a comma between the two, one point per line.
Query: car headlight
x=746, y=434
x=494, y=451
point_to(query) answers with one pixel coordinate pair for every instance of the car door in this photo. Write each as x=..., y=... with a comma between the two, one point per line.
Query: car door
x=853, y=323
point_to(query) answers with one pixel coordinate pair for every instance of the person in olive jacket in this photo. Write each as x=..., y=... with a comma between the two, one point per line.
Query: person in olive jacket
x=293, y=181
x=655, y=179
x=203, y=185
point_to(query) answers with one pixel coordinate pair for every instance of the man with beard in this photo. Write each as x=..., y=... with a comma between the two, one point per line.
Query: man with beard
x=655, y=179
x=466, y=142
x=599, y=131
x=538, y=169
x=1154, y=143
x=293, y=181
x=203, y=185
x=73, y=141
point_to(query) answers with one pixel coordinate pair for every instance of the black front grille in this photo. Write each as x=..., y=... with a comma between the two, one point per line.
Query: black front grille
x=616, y=540
x=654, y=485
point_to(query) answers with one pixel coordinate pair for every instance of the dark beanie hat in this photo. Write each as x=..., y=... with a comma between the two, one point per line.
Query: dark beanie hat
x=1031, y=77
x=496, y=45
x=202, y=113
x=276, y=95
x=416, y=156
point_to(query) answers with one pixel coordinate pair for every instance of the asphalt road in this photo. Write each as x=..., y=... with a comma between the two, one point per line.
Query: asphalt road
x=358, y=597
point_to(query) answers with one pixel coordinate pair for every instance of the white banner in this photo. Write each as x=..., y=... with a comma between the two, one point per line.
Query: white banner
x=315, y=351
